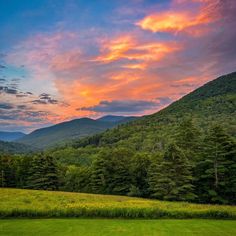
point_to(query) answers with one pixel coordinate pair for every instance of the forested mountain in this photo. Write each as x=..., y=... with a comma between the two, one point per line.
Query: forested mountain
x=14, y=148
x=67, y=131
x=211, y=103
x=10, y=136
x=186, y=152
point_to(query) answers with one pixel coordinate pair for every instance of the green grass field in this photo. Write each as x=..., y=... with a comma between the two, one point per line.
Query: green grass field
x=107, y=227
x=45, y=204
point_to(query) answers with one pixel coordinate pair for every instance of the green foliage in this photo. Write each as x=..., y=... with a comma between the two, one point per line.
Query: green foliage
x=15, y=148
x=43, y=173
x=216, y=171
x=77, y=179
x=111, y=171
x=171, y=177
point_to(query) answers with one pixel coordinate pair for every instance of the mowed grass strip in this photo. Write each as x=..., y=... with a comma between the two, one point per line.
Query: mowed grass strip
x=47, y=204
x=115, y=227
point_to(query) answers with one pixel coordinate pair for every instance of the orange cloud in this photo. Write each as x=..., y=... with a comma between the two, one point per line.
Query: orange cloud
x=128, y=48
x=174, y=21
x=115, y=49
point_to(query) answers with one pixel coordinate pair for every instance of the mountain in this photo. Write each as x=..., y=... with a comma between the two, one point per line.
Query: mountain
x=120, y=119
x=15, y=148
x=70, y=130
x=213, y=102
x=10, y=136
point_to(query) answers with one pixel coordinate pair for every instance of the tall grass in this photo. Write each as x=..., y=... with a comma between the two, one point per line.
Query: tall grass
x=45, y=204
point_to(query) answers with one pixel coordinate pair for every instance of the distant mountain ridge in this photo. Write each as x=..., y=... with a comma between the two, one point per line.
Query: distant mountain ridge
x=111, y=118
x=74, y=129
x=10, y=136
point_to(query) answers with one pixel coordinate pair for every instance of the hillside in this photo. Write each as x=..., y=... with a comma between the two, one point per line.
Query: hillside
x=10, y=136
x=14, y=148
x=35, y=203
x=67, y=131
x=213, y=102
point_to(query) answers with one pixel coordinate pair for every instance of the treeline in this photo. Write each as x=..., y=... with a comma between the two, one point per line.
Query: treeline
x=191, y=166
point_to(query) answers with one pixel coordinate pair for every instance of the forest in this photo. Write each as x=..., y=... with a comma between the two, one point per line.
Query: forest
x=191, y=165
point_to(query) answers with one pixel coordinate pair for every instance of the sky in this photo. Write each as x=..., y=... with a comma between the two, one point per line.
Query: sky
x=66, y=59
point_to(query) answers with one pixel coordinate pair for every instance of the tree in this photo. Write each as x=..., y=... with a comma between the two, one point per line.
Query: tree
x=188, y=138
x=99, y=173
x=216, y=172
x=7, y=173
x=121, y=177
x=111, y=171
x=171, y=177
x=77, y=179
x=43, y=173
x=140, y=164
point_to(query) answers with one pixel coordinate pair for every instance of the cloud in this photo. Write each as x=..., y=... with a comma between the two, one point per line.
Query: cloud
x=131, y=49
x=122, y=69
x=6, y=106
x=5, y=89
x=122, y=106
x=182, y=18
x=45, y=99
x=164, y=100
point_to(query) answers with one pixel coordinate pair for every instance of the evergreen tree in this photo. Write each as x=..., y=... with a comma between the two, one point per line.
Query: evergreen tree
x=99, y=173
x=139, y=171
x=215, y=173
x=188, y=138
x=111, y=171
x=121, y=176
x=43, y=173
x=7, y=172
x=171, y=178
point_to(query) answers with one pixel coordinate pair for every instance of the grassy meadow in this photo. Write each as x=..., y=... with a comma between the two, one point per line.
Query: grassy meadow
x=45, y=204
x=107, y=227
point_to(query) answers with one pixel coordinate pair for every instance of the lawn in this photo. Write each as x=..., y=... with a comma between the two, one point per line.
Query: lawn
x=45, y=204
x=107, y=227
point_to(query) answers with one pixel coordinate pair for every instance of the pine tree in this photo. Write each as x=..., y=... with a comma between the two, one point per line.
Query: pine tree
x=7, y=172
x=216, y=176
x=110, y=171
x=188, y=138
x=121, y=177
x=99, y=174
x=139, y=171
x=171, y=178
x=43, y=173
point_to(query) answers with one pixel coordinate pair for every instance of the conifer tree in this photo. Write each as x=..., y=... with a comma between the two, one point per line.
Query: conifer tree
x=43, y=173
x=216, y=172
x=7, y=172
x=188, y=138
x=99, y=174
x=171, y=178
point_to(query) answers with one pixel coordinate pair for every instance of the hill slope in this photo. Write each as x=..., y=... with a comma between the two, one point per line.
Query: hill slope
x=66, y=131
x=14, y=148
x=213, y=102
x=10, y=136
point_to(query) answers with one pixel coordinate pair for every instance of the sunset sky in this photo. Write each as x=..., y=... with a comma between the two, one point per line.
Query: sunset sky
x=66, y=59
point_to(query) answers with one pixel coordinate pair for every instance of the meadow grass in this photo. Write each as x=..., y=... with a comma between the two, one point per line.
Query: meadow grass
x=47, y=204
x=116, y=227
